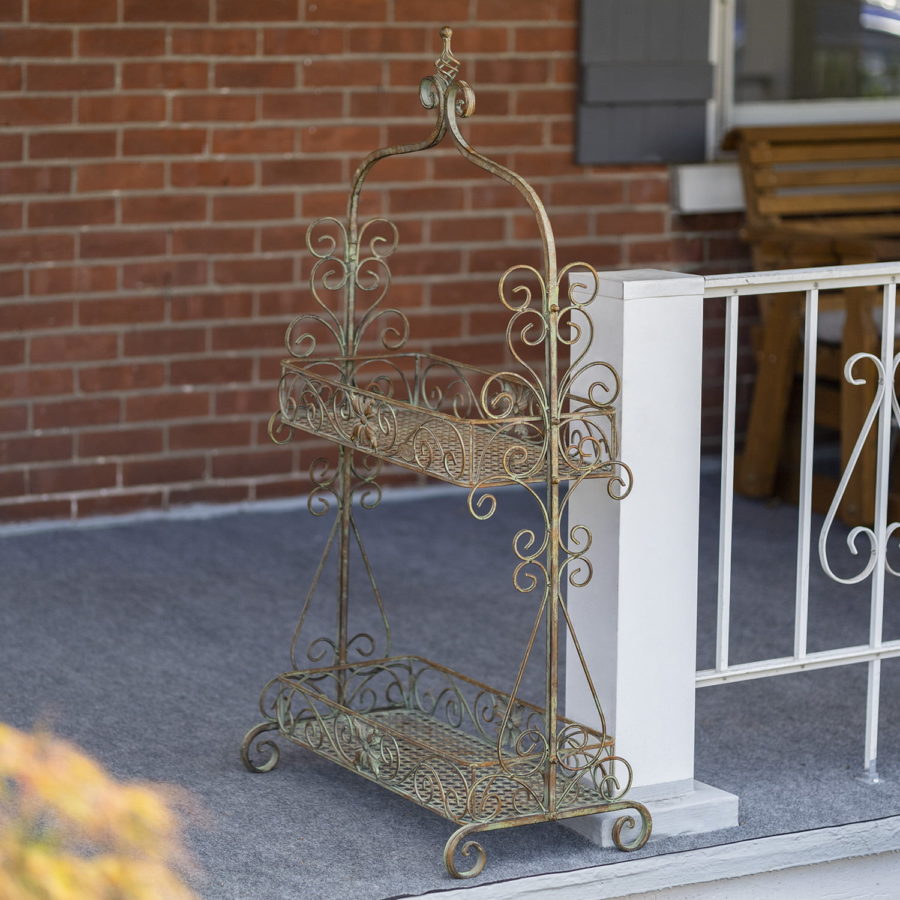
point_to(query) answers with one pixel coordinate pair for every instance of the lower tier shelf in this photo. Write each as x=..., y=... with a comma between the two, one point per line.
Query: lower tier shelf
x=446, y=742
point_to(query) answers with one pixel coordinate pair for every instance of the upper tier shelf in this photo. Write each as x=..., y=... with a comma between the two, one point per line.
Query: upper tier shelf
x=456, y=422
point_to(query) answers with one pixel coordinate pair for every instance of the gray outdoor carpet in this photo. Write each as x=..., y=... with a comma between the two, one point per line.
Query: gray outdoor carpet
x=148, y=643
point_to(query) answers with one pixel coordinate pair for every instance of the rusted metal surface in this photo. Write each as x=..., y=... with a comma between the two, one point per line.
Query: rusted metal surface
x=482, y=758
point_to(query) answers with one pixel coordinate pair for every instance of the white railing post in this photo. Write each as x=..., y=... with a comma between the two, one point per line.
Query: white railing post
x=637, y=618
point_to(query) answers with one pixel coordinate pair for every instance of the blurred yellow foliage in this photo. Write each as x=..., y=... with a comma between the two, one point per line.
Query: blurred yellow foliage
x=69, y=831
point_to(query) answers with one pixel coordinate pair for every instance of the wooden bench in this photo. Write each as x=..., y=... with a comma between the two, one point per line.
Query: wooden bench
x=816, y=195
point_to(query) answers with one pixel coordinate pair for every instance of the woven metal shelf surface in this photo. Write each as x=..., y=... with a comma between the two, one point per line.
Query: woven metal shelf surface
x=431, y=735
x=452, y=421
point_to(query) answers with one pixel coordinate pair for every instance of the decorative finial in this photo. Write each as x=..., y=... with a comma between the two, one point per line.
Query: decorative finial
x=447, y=64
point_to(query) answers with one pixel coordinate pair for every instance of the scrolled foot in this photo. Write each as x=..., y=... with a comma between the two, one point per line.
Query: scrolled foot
x=450, y=853
x=629, y=823
x=270, y=748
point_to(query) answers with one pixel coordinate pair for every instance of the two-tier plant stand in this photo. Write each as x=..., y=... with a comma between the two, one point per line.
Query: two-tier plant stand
x=483, y=758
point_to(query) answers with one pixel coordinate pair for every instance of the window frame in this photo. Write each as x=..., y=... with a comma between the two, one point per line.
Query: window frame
x=726, y=114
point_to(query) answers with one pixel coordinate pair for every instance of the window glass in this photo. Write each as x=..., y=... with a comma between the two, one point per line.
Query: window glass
x=816, y=49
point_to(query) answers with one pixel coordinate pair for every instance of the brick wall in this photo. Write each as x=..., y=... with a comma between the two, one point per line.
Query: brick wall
x=159, y=162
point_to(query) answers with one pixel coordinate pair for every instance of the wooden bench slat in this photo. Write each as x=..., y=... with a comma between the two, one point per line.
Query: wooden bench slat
x=827, y=133
x=808, y=152
x=769, y=178
x=800, y=204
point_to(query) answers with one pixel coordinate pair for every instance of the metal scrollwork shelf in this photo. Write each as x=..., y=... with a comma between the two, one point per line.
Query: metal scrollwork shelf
x=482, y=758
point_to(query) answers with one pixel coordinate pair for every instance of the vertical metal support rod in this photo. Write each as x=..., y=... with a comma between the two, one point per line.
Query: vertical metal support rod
x=879, y=527
x=726, y=498
x=553, y=514
x=804, y=512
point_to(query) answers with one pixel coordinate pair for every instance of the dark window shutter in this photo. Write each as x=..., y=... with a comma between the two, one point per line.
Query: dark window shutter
x=645, y=80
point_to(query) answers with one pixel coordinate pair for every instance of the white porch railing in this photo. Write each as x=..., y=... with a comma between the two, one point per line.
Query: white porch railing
x=638, y=617
x=883, y=409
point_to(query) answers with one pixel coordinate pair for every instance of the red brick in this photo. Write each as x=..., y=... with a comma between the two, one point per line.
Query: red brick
x=165, y=341
x=121, y=310
x=29, y=315
x=75, y=11
x=339, y=73
x=122, y=108
x=211, y=306
x=69, y=144
x=16, y=111
x=12, y=352
x=70, y=77
x=213, y=108
x=116, y=504
x=253, y=206
x=302, y=105
x=282, y=237
x=253, y=271
x=648, y=190
x=468, y=229
x=300, y=41
x=13, y=418
x=435, y=262
x=506, y=134
x=181, y=272
x=166, y=11
x=120, y=442
x=301, y=171
x=333, y=203
x=285, y=302
x=72, y=279
x=248, y=337
x=10, y=77
x=225, y=173
x=211, y=494
x=35, y=448
x=163, y=141
x=36, y=247
x=542, y=10
x=260, y=11
x=214, y=42
x=343, y=11
x=163, y=471
x=124, y=377
x=515, y=71
x=209, y=434
x=11, y=10
x=547, y=38
x=11, y=216
x=106, y=244
x=30, y=41
x=255, y=75
x=404, y=39
x=61, y=479
x=11, y=147
x=76, y=413
x=120, y=176
x=632, y=223
x=35, y=509
x=118, y=42
x=245, y=400
x=253, y=141
x=160, y=407
x=12, y=483
x=74, y=347
x=61, y=213
x=165, y=75
x=35, y=180
x=425, y=199
x=36, y=382
x=587, y=192
x=341, y=138
x=212, y=371
x=221, y=241
x=554, y=163
x=270, y=461
x=164, y=208
x=12, y=283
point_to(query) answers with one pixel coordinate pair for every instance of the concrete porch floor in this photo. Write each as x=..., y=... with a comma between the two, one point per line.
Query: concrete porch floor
x=147, y=643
